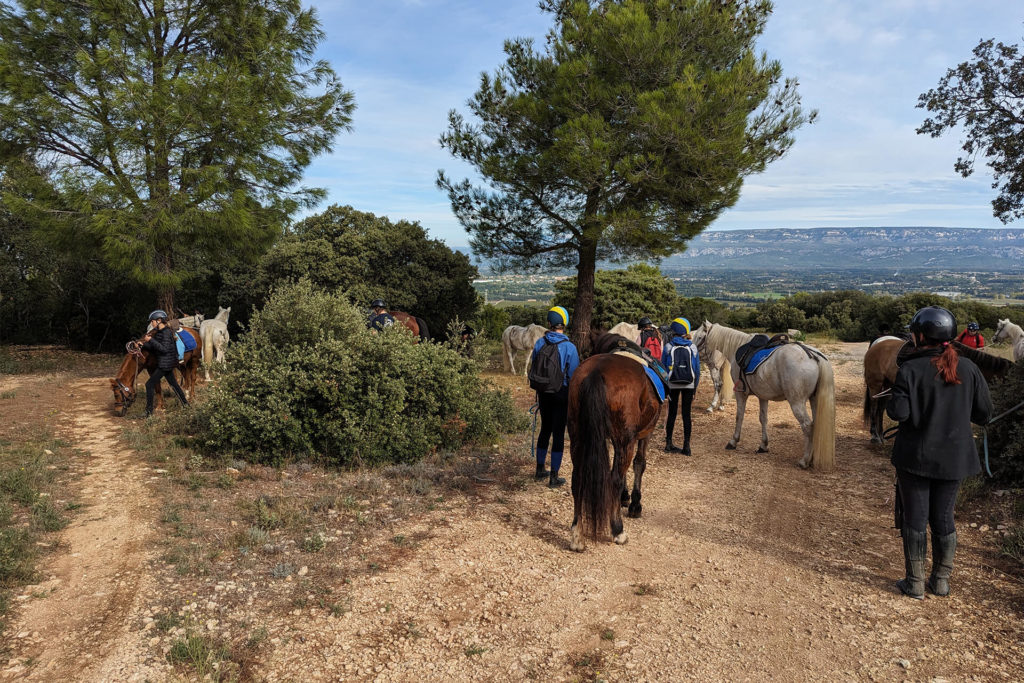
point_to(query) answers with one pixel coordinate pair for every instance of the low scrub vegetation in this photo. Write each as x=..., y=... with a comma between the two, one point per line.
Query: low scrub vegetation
x=308, y=379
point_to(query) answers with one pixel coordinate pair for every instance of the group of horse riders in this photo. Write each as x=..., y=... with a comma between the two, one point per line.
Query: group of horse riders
x=555, y=359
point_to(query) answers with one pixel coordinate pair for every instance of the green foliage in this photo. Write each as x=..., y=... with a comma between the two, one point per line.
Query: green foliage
x=1006, y=437
x=309, y=379
x=982, y=98
x=365, y=257
x=775, y=316
x=625, y=296
x=628, y=135
x=492, y=321
x=525, y=315
x=175, y=133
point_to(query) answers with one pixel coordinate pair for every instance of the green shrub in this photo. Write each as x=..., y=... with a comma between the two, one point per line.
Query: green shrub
x=1006, y=437
x=309, y=379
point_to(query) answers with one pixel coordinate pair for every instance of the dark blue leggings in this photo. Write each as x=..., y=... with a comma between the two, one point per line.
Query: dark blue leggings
x=928, y=501
x=554, y=409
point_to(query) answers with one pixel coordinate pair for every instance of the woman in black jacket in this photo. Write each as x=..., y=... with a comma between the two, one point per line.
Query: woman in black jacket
x=160, y=342
x=936, y=397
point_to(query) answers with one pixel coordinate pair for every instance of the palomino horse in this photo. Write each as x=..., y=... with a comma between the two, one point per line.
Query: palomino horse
x=515, y=339
x=880, y=370
x=793, y=373
x=215, y=339
x=1007, y=330
x=610, y=399
x=418, y=326
x=137, y=360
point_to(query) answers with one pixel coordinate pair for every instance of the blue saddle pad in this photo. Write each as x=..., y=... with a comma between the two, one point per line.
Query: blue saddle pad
x=658, y=385
x=187, y=339
x=758, y=358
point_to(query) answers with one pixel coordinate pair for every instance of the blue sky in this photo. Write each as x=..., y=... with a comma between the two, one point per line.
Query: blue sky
x=861, y=64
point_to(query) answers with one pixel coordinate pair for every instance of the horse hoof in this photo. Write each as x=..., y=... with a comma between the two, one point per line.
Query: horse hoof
x=803, y=465
x=622, y=538
x=710, y=410
x=761, y=449
x=730, y=446
x=576, y=547
x=634, y=511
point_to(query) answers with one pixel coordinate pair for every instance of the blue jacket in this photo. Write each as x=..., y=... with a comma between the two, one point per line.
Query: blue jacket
x=666, y=359
x=567, y=353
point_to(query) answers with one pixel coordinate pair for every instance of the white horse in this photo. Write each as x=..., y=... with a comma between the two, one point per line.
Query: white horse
x=215, y=339
x=192, y=320
x=790, y=375
x=516, y=338
x=1007, y=330
x=627, y=330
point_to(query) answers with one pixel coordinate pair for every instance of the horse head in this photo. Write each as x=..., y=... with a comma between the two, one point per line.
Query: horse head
x=124, y=396
x=1002, y=331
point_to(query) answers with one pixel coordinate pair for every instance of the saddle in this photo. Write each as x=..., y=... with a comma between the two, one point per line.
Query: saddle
x=760, y=342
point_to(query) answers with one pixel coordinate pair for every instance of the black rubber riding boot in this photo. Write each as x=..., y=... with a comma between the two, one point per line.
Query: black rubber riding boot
x=541, y=473
x=915, y=546
x=943, y=549
x=671, y=447
x=686, y=448
x=554, y=481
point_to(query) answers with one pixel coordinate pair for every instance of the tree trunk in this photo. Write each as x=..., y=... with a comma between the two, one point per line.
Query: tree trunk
x=584, y=311
x=165, y=300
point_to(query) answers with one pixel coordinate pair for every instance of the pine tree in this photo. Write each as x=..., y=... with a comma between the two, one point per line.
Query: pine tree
x=628, y=135
x=175, y=130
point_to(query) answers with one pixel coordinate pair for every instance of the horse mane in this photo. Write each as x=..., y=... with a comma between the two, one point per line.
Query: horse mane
x=990, y=364
x=721, y=337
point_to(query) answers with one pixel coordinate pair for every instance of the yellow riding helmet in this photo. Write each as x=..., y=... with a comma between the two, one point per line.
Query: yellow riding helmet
x=558, y=316
x=681, y=326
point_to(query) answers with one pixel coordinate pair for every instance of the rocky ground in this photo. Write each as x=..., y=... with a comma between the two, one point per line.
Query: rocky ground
x=743, y=567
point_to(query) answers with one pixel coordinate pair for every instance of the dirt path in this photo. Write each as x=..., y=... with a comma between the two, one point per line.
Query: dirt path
x=75, y=627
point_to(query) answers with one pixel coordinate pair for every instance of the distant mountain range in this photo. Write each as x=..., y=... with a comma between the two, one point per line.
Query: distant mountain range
x=960, y=249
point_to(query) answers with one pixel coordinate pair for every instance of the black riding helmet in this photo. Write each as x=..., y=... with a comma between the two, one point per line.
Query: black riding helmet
x=935, y=323
x=645, y=322
x=378, y=303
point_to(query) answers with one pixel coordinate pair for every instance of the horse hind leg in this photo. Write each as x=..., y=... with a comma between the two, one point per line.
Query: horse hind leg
x=639, y=465
x=806, y=426
x=716, y=380
x=576, y=542
x=741, y=407
x=623, y=459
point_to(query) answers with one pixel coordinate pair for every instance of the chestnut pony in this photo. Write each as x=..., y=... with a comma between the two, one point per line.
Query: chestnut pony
x=138, y=360
x=417, y=326
x=610, y=399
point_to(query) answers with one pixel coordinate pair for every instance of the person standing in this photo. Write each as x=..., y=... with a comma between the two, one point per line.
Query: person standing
x=649, y=337
x=555, y=359
x=160, y=342
x=682, y=361
x=379, y=317
x=935, y=398
x=972, y=336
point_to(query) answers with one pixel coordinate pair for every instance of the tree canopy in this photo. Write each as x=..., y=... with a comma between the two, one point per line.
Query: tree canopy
x=175, y=131
x=367, y=256
x=986, y=97
x=625, y=137
x=625, y=296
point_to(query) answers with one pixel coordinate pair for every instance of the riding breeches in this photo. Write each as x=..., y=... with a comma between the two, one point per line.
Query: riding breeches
x=153, y=385
x=554, y=409
x=928, y=501
x=675, y=398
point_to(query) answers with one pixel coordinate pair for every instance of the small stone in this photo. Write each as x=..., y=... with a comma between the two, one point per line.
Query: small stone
x=211, y=624
x=153, y=642
x=905, y=663
x=983, y=527
x=303, y=571
x=232, y=471
x=48, y=451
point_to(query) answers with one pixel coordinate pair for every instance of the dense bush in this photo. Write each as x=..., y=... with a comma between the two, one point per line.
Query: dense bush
x=525, y=315
x=309, y=379
x=1006, y=437
x=491, y=321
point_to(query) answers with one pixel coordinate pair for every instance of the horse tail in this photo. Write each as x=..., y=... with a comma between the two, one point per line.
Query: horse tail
x=867, y=404
x=727, y=385
x=590, y=455
x=823, y=432
x=424, y=332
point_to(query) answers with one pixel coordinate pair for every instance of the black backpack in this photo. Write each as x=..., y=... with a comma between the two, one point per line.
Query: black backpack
x=546, y=374
x=682, y=366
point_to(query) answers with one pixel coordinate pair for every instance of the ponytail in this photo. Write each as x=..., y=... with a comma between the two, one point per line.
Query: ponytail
x=947, y=363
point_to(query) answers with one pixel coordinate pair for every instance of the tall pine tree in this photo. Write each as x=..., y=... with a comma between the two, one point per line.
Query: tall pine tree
x=628, y=135
x=176, y=131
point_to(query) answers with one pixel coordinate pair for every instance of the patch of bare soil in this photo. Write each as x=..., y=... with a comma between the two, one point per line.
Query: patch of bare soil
x=743, y=567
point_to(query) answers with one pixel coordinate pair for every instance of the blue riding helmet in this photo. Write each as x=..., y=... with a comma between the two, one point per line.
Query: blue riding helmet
x=558, y=316
x=973, y=327
x=158, y=314
x=681, y=326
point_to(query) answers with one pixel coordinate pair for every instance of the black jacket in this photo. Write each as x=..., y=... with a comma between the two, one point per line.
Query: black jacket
x=935, y=438
x=163, y=347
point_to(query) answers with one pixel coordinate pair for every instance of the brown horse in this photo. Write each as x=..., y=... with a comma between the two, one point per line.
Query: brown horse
x=137, y=360
x=610, y=398
x=880, y=373
x=417, y=326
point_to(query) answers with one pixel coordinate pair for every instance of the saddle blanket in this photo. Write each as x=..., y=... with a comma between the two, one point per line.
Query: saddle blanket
x=659, y=386
x=185, y=342
x=759, y=357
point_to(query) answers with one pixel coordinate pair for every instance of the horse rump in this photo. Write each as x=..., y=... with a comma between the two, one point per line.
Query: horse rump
x=589, y=430
x=424, y=331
